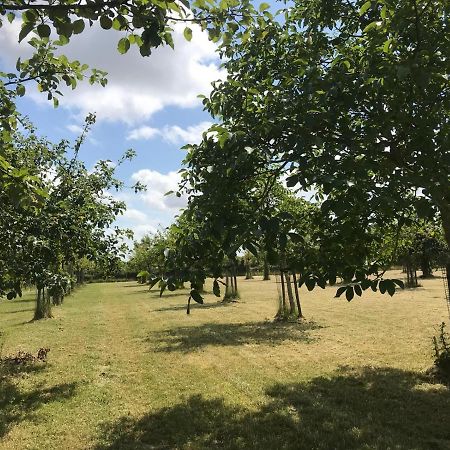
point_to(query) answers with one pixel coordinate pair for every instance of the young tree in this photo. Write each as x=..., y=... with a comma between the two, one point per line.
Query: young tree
x=73, y=221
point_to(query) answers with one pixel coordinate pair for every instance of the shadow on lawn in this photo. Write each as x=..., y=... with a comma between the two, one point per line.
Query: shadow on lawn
x=196, y=306
x=18, y=311
x=18, y=405
x=369, y=408
x=185, y=339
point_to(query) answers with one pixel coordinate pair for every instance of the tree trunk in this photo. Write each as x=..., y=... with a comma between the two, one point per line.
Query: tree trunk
x=425, y=267
x=297, y=296
x=236, y=292
x=292, y=309
x=444, y=208
x=248, y=272
x=57, y=298
x=266, y=276
x=43, y=305
x=283, y=294
x=227, y=295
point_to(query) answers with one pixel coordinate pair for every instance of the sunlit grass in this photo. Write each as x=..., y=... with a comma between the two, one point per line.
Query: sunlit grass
x=127, y=369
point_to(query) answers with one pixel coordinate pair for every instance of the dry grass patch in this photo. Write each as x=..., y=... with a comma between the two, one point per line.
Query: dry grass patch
x=130, y=370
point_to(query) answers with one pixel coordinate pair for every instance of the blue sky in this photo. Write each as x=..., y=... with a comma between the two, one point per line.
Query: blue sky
x=150, y=105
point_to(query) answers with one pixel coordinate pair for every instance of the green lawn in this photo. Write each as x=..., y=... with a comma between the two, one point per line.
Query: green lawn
x=128, y=370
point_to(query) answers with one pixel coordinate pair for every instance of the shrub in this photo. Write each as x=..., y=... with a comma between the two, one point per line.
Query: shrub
x=442, y=352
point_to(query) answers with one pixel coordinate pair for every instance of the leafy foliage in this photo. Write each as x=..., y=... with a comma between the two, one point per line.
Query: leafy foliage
x=333, y=95
x=442, y=352
x=42, y=244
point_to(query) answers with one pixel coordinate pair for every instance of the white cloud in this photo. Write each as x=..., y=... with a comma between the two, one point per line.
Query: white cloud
x=189, y=135
x=135, y=215
x=158, y=184
x=74, y=128
x=173, y=134
x=138, y=87
x=142, y=133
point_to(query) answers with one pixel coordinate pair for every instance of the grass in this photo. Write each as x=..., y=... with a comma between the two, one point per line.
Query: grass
x=128, y=370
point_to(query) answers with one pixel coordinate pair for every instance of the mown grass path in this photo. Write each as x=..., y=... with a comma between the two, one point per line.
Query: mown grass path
x=128, y=370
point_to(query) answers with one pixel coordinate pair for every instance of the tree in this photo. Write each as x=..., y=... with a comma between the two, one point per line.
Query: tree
x=352, y=99
x=42, y=246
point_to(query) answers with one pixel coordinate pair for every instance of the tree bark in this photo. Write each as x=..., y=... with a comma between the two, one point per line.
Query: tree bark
x=248, y=272
x=292, y=309
x=297, y=296
x=266, y=276
x=283, y=294
x=235, y=293
x=57, y=298
x=43, y=305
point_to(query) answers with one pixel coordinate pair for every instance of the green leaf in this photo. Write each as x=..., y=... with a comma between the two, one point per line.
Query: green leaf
x=251, y=248
x=196, y=296
x=43, y=30
x=387, y=46
x=25, y=30
x=187, y=33
x=365, y=7
x=340, y=291
x=310, y=283
x=349, y=293
x=399, y=283
x=123, y=46
x=390, y=287
x=321, y=282
x=371, y=26
x=11, y=16
x=216, y=288
x=145, y=50
x=78, y=26
x=292, y=180
x=105, y=22
x=263, y=7
x=153, y=281
x=20, y=90
x=358, y=290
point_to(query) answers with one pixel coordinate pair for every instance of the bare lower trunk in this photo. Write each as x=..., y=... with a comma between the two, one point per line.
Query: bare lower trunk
x=248, y=272
x=57, y=298
x=283, y=294
x=297, y=296
x=266, y=276
x=235, y=292
x=292, y=309
x=43, y=305
x=231, y=291
x=444, y=208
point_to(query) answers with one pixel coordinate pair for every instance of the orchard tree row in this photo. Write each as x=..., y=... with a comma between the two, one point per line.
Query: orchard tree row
x=348, y=101
x=66, y=221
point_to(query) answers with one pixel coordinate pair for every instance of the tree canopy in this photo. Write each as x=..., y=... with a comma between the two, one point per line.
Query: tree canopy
x=350, y=99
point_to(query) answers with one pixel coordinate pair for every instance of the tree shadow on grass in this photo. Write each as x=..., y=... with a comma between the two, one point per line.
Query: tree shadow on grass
x=18, y=405
x=18, y=311
x=21, y=300
x=367, y=408
x=196, y=306
x=186, y=339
